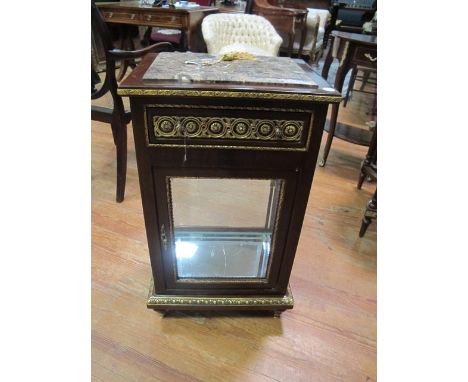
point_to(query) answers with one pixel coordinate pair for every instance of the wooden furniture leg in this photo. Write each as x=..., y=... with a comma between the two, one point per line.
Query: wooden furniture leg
x=365, y=78
x=350, y=85
x=369, y=214
x=328, y=60
x=291, y=37
x=340, y=75
x=121, y=147
x=369, y=165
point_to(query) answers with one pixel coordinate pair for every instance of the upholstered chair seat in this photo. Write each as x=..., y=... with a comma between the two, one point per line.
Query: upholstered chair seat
x=254, y=34
x=166, y=35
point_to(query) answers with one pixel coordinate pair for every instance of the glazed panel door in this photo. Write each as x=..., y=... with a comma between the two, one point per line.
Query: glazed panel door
x=223, y=232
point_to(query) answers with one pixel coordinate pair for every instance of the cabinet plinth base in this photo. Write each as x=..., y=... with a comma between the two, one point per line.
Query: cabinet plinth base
x=214, y=302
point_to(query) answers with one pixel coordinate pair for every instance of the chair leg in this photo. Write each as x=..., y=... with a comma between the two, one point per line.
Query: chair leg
x=365, y=223
x=371, y=212
x=121, y=152
x=362, y=176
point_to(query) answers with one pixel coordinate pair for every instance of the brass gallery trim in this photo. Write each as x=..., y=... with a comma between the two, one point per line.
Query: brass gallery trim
x=185, y=106
x=228, y=94
x=158, y=300
x=227, y=147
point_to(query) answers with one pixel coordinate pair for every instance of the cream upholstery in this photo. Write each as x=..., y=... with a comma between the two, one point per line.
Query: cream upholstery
x=224, y=32
x=322, y=16
x=317, y=20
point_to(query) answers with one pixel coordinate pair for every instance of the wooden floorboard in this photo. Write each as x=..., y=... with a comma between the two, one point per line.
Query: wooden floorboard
x=330, y=335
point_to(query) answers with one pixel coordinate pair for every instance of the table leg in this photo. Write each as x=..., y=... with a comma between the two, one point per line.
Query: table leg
x=340, y=76
x=350, y=85
x=328, y=60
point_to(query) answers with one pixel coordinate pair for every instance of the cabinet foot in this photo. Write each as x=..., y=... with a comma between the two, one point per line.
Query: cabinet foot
x=162, y=313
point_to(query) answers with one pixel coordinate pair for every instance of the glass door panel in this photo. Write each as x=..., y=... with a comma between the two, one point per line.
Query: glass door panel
x=224, y=227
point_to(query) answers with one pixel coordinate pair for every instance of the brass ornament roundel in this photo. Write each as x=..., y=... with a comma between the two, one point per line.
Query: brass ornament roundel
x=241, y=128
x=192, y=127
x=265, y=129
x=165, y=126
x=216, y=127
x=290, y=130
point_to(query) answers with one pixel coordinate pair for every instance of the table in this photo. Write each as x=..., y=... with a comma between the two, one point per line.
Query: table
x=225, y=171
x=188, y=20
x=351, y=49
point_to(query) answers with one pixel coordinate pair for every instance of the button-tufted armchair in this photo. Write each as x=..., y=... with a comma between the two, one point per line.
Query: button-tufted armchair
x=237, y=32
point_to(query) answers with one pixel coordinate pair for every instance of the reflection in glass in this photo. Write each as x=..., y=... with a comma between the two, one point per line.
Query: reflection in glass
x=223, y=228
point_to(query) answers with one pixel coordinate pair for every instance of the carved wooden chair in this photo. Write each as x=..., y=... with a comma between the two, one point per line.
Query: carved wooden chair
x=116, y=116
x=321, y=18
x=286, y=21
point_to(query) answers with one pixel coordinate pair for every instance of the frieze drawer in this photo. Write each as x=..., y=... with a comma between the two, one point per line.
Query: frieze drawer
x=366, y=56
x=111, y=16
x=174, y=21
x=228, y=127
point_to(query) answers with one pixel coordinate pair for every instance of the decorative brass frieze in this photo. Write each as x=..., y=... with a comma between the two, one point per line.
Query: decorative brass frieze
x=227, y=128
x=191, y=127
x=161, y=301
x=230, y=94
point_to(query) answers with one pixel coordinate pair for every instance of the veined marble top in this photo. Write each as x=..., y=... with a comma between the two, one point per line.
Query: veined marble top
x=206, y=68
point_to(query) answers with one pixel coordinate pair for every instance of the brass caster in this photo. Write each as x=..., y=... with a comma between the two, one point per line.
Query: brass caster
x=322, y=162
x=277, y=313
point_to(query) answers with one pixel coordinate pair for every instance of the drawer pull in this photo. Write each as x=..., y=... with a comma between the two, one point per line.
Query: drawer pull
x=110, y=14
x=368, y=55
x=148, y=17
x=132, y=16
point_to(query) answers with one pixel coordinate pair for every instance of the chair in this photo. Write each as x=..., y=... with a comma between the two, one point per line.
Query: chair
x=116, y=116
x=321, y=12
x=238, y=32
x=314, y=44
x=286, y=21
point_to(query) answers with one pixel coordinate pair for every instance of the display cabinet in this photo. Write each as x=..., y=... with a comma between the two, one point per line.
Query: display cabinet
x=225, y=170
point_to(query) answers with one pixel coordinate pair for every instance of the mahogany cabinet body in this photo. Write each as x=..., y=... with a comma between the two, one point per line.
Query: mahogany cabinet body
x=187, y=135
